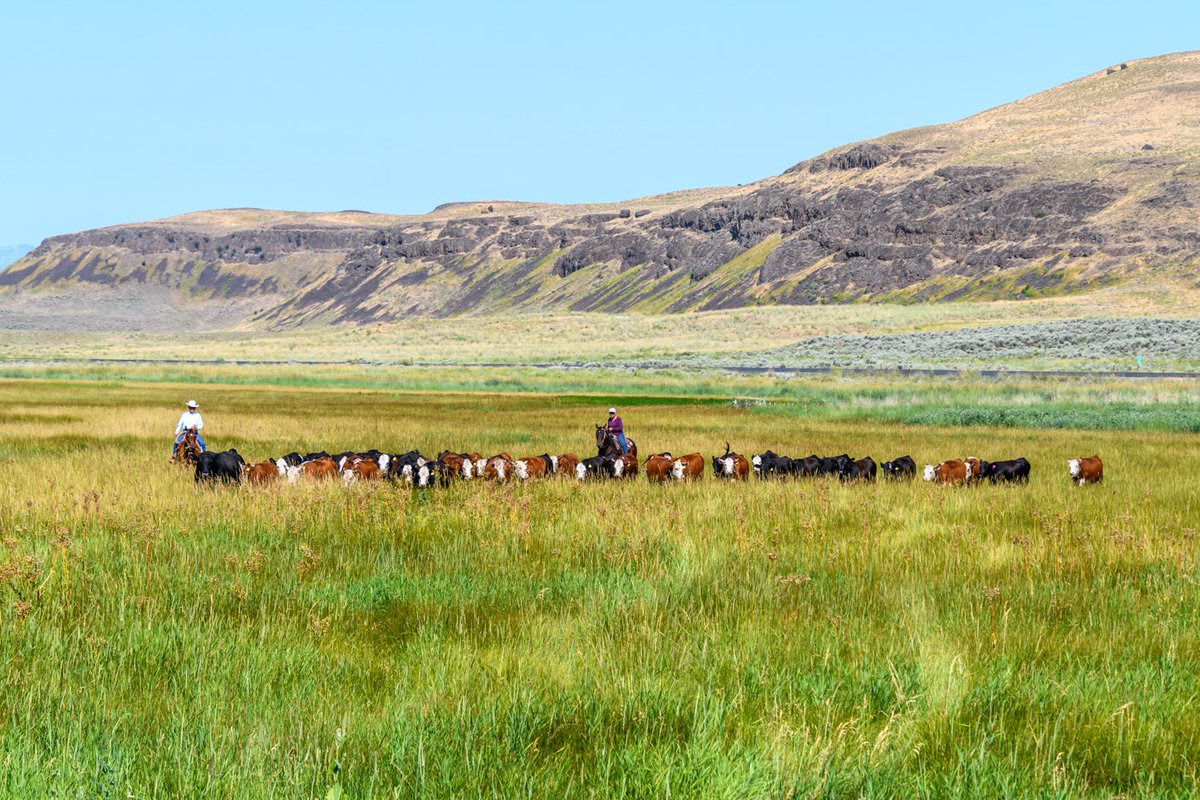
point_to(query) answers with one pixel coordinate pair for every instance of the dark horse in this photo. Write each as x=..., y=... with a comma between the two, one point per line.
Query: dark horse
x=606, y=444
x=189, y=449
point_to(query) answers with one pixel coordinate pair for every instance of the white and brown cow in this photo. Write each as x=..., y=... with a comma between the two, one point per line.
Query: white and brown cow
x=498, y=468
x=658, y=467
x=947, y=472
x=532, y=467
x=974, y=468
x=626, y=466
x=688, y=468
x=1086, y=470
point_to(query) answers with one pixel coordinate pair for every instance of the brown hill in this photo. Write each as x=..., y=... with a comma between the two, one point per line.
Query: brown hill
x=1091, y=183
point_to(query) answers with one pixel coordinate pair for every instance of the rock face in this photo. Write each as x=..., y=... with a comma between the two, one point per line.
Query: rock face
x=1054, y=193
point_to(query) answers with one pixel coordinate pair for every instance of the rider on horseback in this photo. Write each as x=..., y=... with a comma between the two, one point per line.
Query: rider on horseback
x=617, y=429
x=189, y=421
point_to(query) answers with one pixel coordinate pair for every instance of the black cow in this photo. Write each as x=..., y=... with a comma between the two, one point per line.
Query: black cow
x=807, y=466
x=1014, y=471
x=292, y=459
x=835, y=465
x=381, y=459
x=341, y=458
x=771, y=464
x=431, y=473
x=404, y=465
x=226, y=467
x=900, y=469
x=861, y=470
x=596, y=467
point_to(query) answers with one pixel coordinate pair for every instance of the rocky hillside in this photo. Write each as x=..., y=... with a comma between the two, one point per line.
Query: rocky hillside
x=1091, y=183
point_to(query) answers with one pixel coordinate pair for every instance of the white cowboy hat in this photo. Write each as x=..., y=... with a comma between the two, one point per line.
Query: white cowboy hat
x=192, y=404
x=612, y=411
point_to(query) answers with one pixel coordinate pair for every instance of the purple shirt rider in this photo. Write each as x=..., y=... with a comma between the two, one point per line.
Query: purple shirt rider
x=617, y=428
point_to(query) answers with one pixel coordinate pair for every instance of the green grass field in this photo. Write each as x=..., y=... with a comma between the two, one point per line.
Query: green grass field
x=555, y=639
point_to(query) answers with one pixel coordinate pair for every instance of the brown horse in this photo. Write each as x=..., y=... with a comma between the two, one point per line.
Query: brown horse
x=189, y=450
x=606, y=444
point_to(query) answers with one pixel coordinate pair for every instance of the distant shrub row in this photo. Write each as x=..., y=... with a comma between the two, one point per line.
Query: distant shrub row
x=1081, y=338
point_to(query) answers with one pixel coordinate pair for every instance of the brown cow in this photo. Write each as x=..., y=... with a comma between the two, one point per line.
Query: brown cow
x=263, y=473
x=498, y=468
x=626, y=466
x=688, y=468
x=566, y=465
x=947, y=472
x=317, y=469
x=357, y=468
x=1086, y=470
x=532, y=467
x=658, y=467
x=457, y=464
x=974, y=468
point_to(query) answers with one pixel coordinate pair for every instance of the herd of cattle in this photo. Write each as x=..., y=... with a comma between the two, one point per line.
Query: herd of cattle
x=447, y=467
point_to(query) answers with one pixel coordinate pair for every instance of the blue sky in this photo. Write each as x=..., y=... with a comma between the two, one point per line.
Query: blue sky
x=117, y=112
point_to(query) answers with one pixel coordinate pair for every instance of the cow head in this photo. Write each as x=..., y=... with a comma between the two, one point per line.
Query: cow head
x=618, y=467
x=1074, y=467
x=384, y=460
x=756, y=462
x=423, y=475
x=553, y=464
x=406, y=472
x=677, y=470
x=348, y=476
x=521, y=470
x=580, y=471
x=281, y=467
x=930, y=472
x=204, y=465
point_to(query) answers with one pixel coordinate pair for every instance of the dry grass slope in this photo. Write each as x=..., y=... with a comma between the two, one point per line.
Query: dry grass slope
x=1089, y=185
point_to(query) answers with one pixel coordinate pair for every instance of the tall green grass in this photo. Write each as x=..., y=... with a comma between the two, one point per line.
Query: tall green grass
x=802, y=639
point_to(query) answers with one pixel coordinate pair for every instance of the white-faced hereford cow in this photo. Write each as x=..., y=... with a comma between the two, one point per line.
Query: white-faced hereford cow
x=1086, y=470
x=947, y=472
x=658, y=467
x=626, y=466
x=688, y=468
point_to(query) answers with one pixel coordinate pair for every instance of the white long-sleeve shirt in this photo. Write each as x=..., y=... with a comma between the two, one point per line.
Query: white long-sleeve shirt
x=189, y=419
